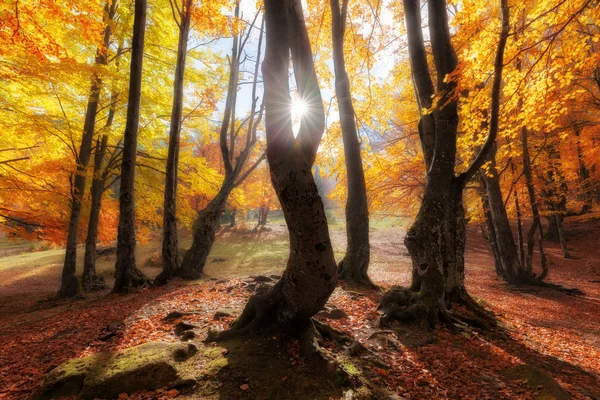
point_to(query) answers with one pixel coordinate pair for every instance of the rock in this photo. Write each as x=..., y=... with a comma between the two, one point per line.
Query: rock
x=261, y=278
x=539, y=380
x=225, y=312
x=183, y=353
x=275, y=277
x=182, y=327
x=106, y=375
x=337, y=313
x=173, y=315
x=188, y=335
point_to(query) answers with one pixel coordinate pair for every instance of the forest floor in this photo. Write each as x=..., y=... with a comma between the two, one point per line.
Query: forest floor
x=557, y=333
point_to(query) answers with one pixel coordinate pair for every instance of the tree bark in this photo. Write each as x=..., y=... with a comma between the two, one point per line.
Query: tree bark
x=354, y=266
x=205, y=229
x=436, y=239
x=91, y=281
x=537, y=222
x=233, y=221
x=507, y=249
x=586, y=194
x=311, y=272
x=170, y=240
x=127, y=276
x=69, y=283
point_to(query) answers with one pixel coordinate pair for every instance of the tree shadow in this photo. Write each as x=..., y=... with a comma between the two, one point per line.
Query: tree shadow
x=264, y=367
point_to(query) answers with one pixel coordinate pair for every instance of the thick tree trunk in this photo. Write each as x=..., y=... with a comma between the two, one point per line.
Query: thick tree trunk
x=127, y=276
x=520, y=230
x=90, y=280
x=170, y=241
x=311, y=272
x=205, y=229
x=355, y=264
x=69, y=283
x=436, y=239
x=263, y=213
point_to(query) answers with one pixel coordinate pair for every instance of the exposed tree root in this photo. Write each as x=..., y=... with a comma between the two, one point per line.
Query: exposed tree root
x=404, y=305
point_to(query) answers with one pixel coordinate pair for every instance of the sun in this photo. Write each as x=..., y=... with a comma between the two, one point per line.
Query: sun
x=299, y=108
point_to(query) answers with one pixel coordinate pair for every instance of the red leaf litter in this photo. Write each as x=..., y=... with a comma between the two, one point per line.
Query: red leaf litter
x=542, y=327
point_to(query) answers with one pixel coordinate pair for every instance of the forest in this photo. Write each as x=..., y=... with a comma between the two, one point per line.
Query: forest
x=300, y=199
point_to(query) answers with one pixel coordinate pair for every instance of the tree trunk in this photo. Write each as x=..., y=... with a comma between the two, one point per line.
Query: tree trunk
x=208, y=219
x=127, y=276
x=205, y=229
x=491, y=232
x=507, y=248
x=519, y=230
x=436, y=239
x=90, y=280
x=355, y=264
x=311, y=272
x=170, y=241
x=537, y=223
x=233, y=222
x=69, y=283
x=586, y=194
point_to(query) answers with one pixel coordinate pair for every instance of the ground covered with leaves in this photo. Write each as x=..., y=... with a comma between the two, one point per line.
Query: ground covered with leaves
x=547, y=344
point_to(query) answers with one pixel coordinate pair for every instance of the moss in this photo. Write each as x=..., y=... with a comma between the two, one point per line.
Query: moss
x=212, y=352
x=216, y=365
x=350, y=368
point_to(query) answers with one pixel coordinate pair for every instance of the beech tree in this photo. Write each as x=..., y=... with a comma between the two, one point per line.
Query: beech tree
x=311, y=273
x=69, y=283
x=436, y=239
x=234, y=162
x=182, y=14
x=127, y=276
x=355, y=263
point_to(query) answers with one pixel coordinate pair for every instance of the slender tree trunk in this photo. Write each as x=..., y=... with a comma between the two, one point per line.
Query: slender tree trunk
x=507, y=248
x=355, y=264
x=520, y=230
x=586, y=194
x=69, y=283
x=127, y=276
x=170, y=241
x=537, y=223
x=491, y=232
x=233, y=222
x=90, y=280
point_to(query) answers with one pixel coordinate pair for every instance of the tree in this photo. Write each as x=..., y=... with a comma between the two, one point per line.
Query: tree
x=355, y=263
x=436, y=239
x=207, y=221
x=182, y=14
x=127, y=276
x=311, y=272
x=69, y=283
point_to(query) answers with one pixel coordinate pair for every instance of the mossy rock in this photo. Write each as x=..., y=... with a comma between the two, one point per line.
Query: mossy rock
x=146, y=367
x=537, y=378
